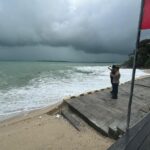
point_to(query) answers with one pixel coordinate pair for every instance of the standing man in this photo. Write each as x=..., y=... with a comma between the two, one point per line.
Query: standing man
x=115, y=82
x=112, y=69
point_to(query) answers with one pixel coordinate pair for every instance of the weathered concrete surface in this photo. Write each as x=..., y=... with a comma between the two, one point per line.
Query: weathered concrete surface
x=137, y=138
x=108, y=115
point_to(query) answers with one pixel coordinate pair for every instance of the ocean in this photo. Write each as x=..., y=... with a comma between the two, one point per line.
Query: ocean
x=26, y=86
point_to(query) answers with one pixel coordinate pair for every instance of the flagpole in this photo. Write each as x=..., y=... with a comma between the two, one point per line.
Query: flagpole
x=134, y=65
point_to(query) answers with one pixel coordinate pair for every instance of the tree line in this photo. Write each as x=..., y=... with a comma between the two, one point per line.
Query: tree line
x=143, y=58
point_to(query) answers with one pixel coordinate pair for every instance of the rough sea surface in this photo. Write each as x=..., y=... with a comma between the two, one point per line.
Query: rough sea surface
x=26, y=86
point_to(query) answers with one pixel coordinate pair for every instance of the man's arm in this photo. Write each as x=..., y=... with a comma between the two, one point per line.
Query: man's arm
x=110, y=68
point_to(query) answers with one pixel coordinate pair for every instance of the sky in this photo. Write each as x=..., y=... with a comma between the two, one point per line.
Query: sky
x=69, y=30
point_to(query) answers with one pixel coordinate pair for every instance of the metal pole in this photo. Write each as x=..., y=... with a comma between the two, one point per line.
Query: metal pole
x=134, y=65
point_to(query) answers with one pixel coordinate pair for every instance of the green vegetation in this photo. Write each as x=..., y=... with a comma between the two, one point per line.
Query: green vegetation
x=143, y=59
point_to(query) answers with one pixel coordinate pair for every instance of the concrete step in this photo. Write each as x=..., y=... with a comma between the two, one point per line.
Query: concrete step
x=97, y=123
x=71, y=117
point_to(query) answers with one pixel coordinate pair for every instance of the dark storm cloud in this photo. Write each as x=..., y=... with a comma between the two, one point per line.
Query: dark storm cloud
x=55, y=54
x=97, y=26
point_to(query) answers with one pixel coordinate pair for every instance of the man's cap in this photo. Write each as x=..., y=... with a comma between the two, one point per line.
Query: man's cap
x=115, y=66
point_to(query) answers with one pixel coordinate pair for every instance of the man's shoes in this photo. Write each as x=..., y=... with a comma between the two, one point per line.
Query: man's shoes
x=114, y=97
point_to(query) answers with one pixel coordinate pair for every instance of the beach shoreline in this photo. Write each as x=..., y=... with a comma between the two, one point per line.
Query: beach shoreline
x=147, y=71
x=45, y=129
x=32, y=113
x=53, y=107
x=40, y=94
x=25, y=113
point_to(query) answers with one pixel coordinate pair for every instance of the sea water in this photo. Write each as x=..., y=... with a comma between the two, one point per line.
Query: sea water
x=26, y=86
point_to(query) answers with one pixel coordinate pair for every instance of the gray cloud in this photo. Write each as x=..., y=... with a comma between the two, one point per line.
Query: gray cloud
x=97, y=26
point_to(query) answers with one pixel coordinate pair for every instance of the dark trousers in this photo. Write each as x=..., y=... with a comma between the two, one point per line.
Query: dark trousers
x=111, y=80
x=115, y=90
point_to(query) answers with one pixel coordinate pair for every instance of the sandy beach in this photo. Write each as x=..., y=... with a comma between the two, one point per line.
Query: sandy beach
x=41, y=131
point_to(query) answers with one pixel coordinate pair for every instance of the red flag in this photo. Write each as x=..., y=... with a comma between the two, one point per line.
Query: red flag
x=146, y=16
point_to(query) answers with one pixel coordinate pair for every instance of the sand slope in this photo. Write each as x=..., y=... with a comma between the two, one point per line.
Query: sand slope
x=46, y=132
